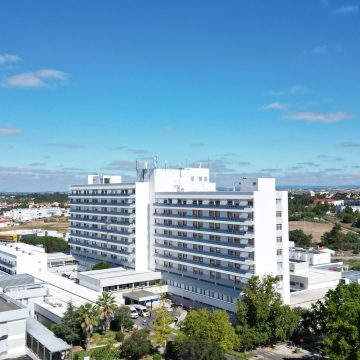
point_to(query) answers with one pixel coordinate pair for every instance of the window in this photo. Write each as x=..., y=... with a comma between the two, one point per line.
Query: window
x=279, y=252
x=278, y=214
x=279, y=239
x=192, y=178
x=278, y=227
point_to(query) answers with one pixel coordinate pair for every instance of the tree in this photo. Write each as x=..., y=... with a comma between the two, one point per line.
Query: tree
x=50, y=243
x=161, y=326
x=107, y=352
x=357, y=223
x=338, y=317
x=300, y=238
x=69, y=329
x=137, y=345
x=285, y=323
x=121, y=318
x=261, y=317
x=192, y=348
x=334, y=237
x=107, y=305
x=101, y=265
x=88, y=316
x=212, y=327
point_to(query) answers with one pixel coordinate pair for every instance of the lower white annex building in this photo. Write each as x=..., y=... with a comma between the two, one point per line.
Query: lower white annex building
x=205, y=243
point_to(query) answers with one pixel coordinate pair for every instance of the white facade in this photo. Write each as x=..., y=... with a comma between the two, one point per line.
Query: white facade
x=19, y=258
x=206, y=243
x=12, y=327
x=313, y=257
x=21, y=214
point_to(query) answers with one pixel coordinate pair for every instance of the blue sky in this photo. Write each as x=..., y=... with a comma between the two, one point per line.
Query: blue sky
x=267, y=88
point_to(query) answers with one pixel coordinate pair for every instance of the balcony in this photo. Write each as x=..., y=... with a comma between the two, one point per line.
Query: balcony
x=223, y=232
x=101, y=196
x=206, y=266
x=245, y=208
x=109, y=205
x=102, y=231
x=220, y=244
x=102, y=249
x=104, y=240
x=103, y=222
x=242, y=221
x=207, y=254
x=105, y=213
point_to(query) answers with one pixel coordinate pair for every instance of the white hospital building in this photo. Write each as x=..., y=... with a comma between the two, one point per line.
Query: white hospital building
x=206, y=243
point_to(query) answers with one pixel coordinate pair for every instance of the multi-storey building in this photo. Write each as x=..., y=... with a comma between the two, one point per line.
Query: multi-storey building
x=206, y=243
x=18, y=258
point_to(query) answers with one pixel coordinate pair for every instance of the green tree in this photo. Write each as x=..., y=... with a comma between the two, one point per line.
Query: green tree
x=261, y=317
x=101, y=265
x=107, y=352
x=212, y=327
x=50, y=243
x=334, y=237
x=285, y=323
x=137, y=345
x=107, y=305
x=338, y=317
x=192, y=348
x=121, y=318
x=69, y=329
x=161, y=326
x=88, y=316
x=300, y=238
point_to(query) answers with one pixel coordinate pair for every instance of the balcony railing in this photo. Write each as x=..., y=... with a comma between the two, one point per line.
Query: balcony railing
x=249, y=221
x=243, y=208
x=207, y=254
x=106, y=213
x=104, y=240
x=103, y=231
x=204, y=265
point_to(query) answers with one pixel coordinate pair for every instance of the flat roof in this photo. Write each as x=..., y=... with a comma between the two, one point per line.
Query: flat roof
x=307, y=297
x=355, y=275
x=45, y=336
x=17, y=249
x=114, y=272
x=141, y=295
x=7, y=305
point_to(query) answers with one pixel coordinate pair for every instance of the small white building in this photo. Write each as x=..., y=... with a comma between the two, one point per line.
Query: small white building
x=19, y=258
x=312, y=256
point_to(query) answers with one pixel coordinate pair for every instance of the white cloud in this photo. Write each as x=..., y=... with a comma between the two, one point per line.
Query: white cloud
x=44, y=78
x=275, y=106
x=9, y=131
x=6, y=59
x=346, y=9
x=298, y=89
x=319, y=117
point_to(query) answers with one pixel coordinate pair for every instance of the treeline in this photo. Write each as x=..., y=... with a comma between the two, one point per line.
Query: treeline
x=51, y=244
x=335, y=239
x=301, y=206
x=349, y=216
x=37, y=197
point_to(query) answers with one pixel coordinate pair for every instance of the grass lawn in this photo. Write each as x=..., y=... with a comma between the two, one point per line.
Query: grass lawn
x=100, y=339
x=236, y=355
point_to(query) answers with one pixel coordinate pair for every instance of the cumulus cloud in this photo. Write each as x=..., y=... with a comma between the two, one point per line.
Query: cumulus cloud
x=330, y=117
x=8, y=59
x=45, y=78
x=9, y=131
x=275, y=106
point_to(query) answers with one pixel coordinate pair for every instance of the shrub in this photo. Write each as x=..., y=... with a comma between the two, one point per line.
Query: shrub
x=157, y=357
x=119, y=337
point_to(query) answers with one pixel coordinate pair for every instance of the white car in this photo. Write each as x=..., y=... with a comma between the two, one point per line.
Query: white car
x=133, y=312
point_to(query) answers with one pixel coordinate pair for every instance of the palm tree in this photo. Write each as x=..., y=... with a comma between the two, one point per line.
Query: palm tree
x=107, y=305
x=88, y=316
